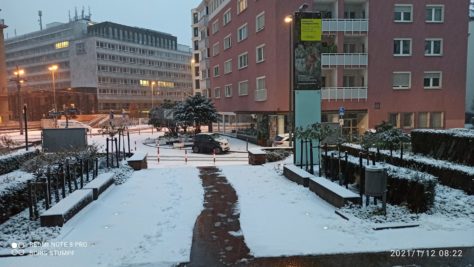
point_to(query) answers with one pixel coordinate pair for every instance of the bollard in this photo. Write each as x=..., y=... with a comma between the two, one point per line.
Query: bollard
x=214, y=156
x=135, y=145
x=158, y=151
x=186, y=156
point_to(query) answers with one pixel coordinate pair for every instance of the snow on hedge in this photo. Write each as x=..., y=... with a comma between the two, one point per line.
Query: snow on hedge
x=457, y=132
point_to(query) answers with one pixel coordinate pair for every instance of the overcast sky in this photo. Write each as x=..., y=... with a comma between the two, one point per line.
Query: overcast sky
x=170, y=16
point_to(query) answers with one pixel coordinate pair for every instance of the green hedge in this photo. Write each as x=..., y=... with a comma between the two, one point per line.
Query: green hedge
x=12, y=163
x=414, y=189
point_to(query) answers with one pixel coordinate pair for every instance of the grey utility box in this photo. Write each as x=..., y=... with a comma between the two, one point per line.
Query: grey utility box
x=375, y=181
x=64, y=139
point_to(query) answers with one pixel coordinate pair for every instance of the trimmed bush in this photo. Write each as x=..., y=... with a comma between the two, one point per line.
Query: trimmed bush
x=12, y=163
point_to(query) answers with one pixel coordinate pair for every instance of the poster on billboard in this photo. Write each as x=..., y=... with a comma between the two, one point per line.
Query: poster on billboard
x=307, y=51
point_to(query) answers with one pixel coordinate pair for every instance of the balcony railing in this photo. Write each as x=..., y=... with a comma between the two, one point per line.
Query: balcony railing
x=260, y=94
x=344, y=93
x=350, y=26
x=350, y=60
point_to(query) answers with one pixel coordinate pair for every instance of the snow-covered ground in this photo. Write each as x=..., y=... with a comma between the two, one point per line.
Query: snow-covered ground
x=279, y=217
x=147, y=221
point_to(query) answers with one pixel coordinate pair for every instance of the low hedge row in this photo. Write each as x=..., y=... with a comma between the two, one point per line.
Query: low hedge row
x=456, y=145
x=404, y=187
x=12, y=163
x=452, y=177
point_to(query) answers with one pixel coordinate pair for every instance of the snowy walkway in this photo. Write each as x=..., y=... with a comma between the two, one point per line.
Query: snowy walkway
x=147, y=221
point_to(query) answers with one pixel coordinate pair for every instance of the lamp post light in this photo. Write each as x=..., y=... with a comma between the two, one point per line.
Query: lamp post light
x=19, y=80
x=54, y=68
x=289, y=20
x=152, y=94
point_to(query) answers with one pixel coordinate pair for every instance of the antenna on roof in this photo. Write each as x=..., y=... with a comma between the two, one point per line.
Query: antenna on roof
x=40, y=14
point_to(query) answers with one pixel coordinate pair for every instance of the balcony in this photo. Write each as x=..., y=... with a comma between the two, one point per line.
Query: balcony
x=349, y=26
x=349, y=60
x=260, y=95
x=344, y=93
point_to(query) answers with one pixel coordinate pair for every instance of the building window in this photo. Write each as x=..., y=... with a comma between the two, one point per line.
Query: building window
x=216, y=71
x=433, y=47
x=432, y=80
x=228, y=90
x=434, y=13
x=260, y=53
x=408, y=120
x=394, y=119
x=243, y=88
x=217, y=92
x=215, y=26
x=242, y=33
x=436, y=119
x=403, y=13
x=402, y=47
x=260, y=22
x=261, y=91
x=348, y=81
x=226, y=17
x=228, y=66
x=227, y=42
x=243, y=60
x=401, y=80
x=423, y=120
x=241, y=5
x=61, y=45
x=215, y=49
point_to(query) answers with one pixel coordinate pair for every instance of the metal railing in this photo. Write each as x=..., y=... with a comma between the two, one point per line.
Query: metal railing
x=351, y=26
x=354, y=60
x=344, y=93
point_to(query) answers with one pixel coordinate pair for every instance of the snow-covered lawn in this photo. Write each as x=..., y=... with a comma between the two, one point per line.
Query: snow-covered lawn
x=279, y=217
x=147, y=220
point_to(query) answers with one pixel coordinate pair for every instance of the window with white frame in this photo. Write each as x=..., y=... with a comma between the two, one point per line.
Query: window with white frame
x=394, y=119
x=434, y=13
x=436, y=119
x=433, y=47
x=217, y=92
x=215, y=49
x=260, y=22
x=403, y=13
x=216, y=71
x=260, y=53
x=242, y=33
x=228, y=66
x=244, y=88
x=401, y=80
x=227, y=42
x=423, y=121
x=402, y=47
x=226, y=18
x=261, y=83
x=407, y=120
x=432, y=80
x=241, y=5
x=204, y=93
x=243, y=60
x=228, y=90
x=215, y=26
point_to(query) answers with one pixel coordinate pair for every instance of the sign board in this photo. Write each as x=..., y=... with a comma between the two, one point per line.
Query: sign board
x=342, y=110
x=311, y=29
x=64, y=139
x=341, y=122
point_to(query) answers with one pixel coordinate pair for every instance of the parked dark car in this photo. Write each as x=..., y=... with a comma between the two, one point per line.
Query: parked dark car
x=210, y=142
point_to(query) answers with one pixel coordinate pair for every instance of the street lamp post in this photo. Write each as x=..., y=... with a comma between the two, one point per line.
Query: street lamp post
x=289, y=20
x=54, y=68
x=152, y=95
x=18, y=80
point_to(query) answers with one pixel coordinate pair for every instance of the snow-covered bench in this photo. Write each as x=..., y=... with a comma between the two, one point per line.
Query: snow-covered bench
x=296, y=175
x=331, y=192
x=100, y=184
x=138, y=161
x=257, y=156
x=65, y=209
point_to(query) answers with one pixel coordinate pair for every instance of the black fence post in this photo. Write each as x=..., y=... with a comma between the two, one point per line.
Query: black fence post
x=119, y=143
x=74, y=175
x=117, y=151
x=63, y=183
x=68, y=176
x=401, y=151
x=128, y=137
x=35, y=202
x=56, y=185
x=87, y=169
x=373, y=159
x=326, y=160
x=48, y=183
x=96, y=167
x=311, y=160
x=301, y=158
x=123, y=145
x=81, y=172
x=346, y=170
x=46, y=199
x=30, y=200
x=107, y=150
